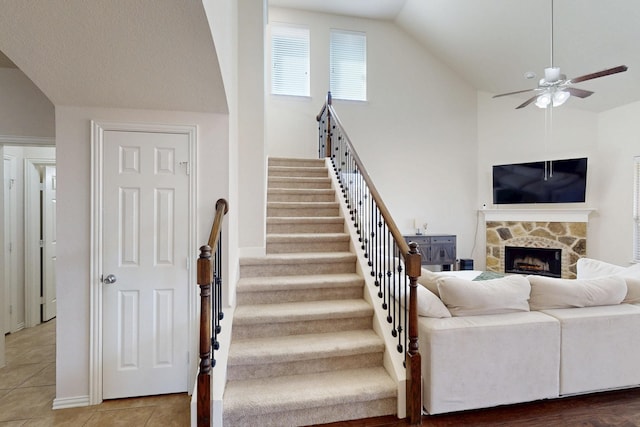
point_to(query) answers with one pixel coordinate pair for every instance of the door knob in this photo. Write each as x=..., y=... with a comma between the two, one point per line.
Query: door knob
x=109, y=279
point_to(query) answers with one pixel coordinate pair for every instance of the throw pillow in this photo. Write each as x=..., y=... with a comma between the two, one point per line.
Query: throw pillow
x=429, y=305
x=549, y=292
x=631, y=275
x=468, y=298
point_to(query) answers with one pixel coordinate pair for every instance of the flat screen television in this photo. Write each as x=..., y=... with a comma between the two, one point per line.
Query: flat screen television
x=549, y=181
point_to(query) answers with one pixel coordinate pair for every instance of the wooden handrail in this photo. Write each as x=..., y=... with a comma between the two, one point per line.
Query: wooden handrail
x=409, y=252
x=222, y=207
x=205, y=275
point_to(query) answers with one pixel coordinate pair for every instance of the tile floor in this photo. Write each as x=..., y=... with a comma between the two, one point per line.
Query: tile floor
x=28, y=384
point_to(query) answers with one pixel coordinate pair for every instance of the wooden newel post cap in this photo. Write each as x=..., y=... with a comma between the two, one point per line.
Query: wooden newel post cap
x=414, y=261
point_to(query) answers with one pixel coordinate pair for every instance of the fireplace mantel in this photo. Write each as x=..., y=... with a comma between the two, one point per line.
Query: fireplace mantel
x=538, y=215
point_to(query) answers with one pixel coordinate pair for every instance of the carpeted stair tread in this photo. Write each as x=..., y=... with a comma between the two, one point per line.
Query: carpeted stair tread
x=305, y=237
x=260, y=397
x=296, y=171
x=303, y=257
x=301, y=311
x=302, y=205
x=304, y=219
x=260, y=351
x=293, y=161
x=280, y=283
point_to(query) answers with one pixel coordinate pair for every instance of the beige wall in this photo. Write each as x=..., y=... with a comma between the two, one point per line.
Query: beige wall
x=416, y=133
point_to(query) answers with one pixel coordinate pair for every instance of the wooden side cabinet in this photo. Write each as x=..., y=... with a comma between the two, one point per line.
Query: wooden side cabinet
x=436, y=249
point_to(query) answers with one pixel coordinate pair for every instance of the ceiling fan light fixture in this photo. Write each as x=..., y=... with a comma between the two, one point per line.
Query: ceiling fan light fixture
x=560, y=97
x=543, y=100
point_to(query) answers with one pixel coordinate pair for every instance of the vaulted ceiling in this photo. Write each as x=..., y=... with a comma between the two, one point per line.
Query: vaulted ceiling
x=82, y=52
x=491, y=44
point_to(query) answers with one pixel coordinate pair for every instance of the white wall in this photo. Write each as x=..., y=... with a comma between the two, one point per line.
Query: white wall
x=223, y=20
x=416, y=133
x=609, y=140
x=74, y=204
x=24, y=110
x=618, y=143
x=251, y=127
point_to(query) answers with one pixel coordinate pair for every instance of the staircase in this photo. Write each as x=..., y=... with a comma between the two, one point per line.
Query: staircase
x=303, y=350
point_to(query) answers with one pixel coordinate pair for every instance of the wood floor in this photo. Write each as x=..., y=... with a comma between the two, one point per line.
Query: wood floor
x=617, y=408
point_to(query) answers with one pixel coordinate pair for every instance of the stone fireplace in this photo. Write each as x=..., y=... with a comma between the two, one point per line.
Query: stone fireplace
x=550, y=248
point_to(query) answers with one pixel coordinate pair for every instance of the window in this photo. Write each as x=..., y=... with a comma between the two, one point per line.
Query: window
x=348, y=65
x=289, y=60
x=636, y=210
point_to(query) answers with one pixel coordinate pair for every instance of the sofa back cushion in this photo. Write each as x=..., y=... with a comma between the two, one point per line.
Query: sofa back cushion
x=549, y=292
x=588, y=268
x=469, y=298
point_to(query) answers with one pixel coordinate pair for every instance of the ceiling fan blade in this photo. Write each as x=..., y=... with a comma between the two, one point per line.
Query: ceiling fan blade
x=579, y=93
x=513, y=93
x=608, y=71
x=527, y=102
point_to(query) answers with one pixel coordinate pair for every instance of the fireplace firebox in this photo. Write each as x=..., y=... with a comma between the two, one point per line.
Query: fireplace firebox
x=540, y=261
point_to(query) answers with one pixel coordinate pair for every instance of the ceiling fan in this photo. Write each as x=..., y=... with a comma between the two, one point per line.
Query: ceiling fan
x=554, y=89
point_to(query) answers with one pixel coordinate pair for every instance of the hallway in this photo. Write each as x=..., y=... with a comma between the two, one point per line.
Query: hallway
x=28, y=384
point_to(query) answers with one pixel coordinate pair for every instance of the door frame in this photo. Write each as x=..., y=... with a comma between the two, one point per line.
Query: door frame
x=95, y=270
x=32, y=220
x=10, y=266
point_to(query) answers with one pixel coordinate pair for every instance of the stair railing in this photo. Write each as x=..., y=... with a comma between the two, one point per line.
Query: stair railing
x=394, y=264
x=209, y=274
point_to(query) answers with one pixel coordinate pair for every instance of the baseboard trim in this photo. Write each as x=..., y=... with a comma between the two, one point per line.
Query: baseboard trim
x=70, y=402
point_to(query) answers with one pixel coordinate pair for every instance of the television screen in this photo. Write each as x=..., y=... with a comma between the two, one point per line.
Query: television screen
x=550, y=181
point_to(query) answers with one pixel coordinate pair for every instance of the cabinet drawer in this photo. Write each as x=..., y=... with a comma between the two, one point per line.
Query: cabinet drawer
x=443, y=239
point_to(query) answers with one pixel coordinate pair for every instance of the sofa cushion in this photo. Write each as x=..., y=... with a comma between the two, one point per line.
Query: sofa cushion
x=588, y=268
x=429, y=280
x=549, y=292
x=468, y=298
x=599, y=347
x=483, y=361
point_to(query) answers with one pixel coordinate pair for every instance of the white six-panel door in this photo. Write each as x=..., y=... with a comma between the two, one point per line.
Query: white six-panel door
x=145, y=276
x=49, y=249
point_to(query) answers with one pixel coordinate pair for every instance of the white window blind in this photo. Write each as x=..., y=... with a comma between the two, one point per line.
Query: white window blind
x=289, y=60
x=636, y=210
x=348, y=65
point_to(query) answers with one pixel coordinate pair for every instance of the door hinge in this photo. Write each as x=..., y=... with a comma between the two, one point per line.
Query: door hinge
x=11, y=183
x=187, y=167
x=41, y=185
x=41, y=243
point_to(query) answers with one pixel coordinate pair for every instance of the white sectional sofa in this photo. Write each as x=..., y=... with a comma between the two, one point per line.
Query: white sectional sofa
x=518, y=339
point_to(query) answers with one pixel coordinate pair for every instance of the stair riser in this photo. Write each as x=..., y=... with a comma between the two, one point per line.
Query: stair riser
x=274, y=297
x=294, y=183
x=299, y=327
x=297, y=269
x=297, y=247
x=269, y=370
x=318, y=415
x=302, y=212
x=304, y=228
x=301, y=198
